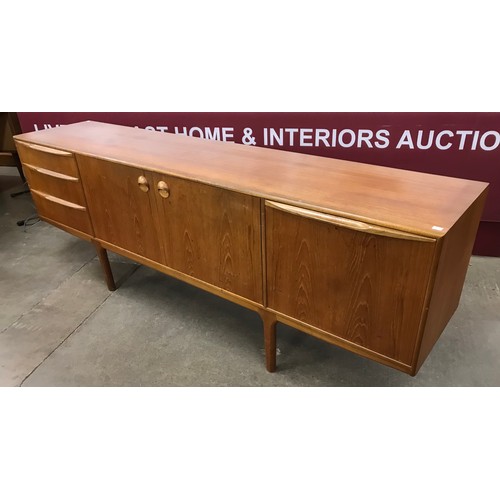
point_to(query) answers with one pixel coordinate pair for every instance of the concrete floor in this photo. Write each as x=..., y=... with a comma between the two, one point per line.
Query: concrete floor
x=59, y=325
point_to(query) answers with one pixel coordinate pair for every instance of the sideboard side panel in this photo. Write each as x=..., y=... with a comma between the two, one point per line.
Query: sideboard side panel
x=450, y=276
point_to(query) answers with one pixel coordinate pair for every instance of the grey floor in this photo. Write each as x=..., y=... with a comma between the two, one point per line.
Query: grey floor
x=59, y=325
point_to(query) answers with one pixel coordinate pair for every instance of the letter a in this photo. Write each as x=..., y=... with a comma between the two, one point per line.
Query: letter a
x=405, y=140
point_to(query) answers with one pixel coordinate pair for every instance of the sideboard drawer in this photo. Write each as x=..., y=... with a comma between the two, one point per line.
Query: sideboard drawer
x=57, y=160
x=57, y=184
x=59, y=210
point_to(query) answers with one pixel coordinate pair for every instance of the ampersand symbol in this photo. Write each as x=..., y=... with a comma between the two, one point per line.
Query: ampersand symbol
x=247, y=138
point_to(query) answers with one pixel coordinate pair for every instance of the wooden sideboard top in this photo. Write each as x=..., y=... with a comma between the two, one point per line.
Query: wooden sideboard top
x=401, y=199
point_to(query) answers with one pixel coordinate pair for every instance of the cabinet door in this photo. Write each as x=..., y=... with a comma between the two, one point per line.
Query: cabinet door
x=211, y=234
x=120, y=210
x=362, y=283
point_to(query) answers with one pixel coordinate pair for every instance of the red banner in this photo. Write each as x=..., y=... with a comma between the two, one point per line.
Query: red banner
x=463, y=145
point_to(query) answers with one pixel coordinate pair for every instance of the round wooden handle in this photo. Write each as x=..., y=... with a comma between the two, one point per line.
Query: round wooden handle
x=163, y=189
x=143, y=183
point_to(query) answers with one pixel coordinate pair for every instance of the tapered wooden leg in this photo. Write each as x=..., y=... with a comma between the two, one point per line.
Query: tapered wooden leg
x=103, y=259
x=269, y=322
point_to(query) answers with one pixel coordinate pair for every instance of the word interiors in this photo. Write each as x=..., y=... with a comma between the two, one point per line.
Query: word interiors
x=471, y=140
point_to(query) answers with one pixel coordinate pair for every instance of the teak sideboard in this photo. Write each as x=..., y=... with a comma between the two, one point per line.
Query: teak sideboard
x=372, y=259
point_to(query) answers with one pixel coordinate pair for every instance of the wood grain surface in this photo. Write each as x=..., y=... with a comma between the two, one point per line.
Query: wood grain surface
x=120, y=211
x=61, y=211
x=211, y=234
x=69, y=188
x=48, y=159
x=237, y=299
x=368, y=289
x=369, y=258
x=404, y=200
x=450, y=277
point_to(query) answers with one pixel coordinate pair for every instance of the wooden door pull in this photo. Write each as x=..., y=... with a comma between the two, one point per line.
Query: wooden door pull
x=51, y=173
x=45, y=149
x=348, y=223
x=163, y=190
x=143, y=183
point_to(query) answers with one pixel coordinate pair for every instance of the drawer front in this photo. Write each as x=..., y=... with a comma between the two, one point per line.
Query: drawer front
x=363, y=283
x=60, y=185
x=56, y=160
x=70, y=214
